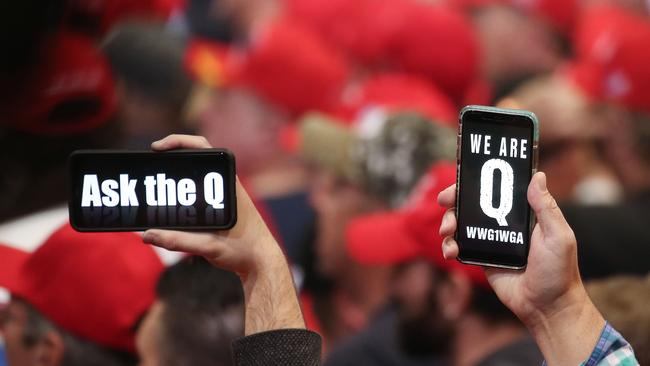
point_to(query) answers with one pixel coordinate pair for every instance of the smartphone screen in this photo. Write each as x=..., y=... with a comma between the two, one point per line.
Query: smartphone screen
x=496, y=157
x=132, y=191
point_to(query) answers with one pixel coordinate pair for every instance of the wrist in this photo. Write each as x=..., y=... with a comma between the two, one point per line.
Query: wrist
x=269, y=292
x=266, y=257
x=567, y=330
x=568, y=305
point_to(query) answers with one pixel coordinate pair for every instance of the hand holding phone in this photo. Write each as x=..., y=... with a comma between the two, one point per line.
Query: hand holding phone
x=497, y=156
x=548, y=296
x=131, y=191
x=247, y=249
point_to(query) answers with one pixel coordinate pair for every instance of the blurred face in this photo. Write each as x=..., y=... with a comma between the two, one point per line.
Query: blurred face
x=423, y=328
x=411, y=286
x=514, y=45
x=241, y=122
x=149, y=335
x=143, y=120
x=563, y=160
x=336, y=202
x=623, y=153
x=13, y=321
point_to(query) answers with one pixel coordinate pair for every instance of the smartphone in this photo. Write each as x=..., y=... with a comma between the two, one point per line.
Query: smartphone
x=496, y=157
x=138, y=190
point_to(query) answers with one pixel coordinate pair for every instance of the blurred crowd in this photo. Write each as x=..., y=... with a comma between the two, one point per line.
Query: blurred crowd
x=342, y=116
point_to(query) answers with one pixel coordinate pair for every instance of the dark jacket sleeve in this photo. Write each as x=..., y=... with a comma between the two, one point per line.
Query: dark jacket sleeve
x=290, y=347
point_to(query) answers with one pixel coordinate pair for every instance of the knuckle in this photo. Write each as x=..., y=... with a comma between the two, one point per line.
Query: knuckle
x=450, y=214
x=551, y=203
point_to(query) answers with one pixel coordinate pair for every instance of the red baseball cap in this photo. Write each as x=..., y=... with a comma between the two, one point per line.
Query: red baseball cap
x=439, y=43
x=94, y=285
x=286, y=64
x=612, y=56
x=400, y=92
x=411, y=232
x=72, y=90
x=365, y=29
x=12, y=259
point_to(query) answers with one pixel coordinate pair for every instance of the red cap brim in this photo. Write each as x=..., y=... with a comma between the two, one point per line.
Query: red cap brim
x=12, y=260
x=381, y=239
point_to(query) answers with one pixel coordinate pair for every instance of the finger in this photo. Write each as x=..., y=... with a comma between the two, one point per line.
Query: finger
x=548, y=214
x=202, y=244
x=448, y=225
x=245, y=204
x=181, y=142
x=447, y=198
x=449, y=248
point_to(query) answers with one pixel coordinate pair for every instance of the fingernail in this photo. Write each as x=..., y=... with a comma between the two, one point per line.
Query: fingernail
x=541, y=182
x=149, y=237
x=158, y=143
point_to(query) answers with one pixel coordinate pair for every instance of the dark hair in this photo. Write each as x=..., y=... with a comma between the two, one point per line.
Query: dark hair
x=203, y=312
x=39, y=166
x=149, y=58
x=641, y=133
x=486, y=304
x=77, y=352
x=24, y=25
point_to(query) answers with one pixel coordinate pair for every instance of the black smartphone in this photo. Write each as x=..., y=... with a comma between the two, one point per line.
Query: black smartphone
x=138, y=190
x=496, y=157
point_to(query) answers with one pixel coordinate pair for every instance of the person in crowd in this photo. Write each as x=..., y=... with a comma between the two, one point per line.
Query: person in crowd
x=623, y=301
x=610, y=67
x=572, y=134
x=368, y=166
x=408, y=286
x=254, y=94
x=152, y=85
x=198, y=312
x=453, y=315
x=405, y=36
x=515, y=46
x=12, y=259
x=274, y=327
x=66, y=102
x=78, y=299
x=548, y=297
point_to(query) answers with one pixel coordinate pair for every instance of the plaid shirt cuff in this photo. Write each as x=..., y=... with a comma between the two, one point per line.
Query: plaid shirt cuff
x=611, y=350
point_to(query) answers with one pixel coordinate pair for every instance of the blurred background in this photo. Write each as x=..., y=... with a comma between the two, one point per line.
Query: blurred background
x=336, y=111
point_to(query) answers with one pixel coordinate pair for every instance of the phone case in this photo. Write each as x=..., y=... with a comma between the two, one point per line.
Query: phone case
x=232, y=196
x=514, y=112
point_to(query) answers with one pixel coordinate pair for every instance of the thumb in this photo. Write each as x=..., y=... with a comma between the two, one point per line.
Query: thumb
x=548, y=214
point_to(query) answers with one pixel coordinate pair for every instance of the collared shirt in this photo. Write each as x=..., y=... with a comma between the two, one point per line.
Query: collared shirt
x=611, y=350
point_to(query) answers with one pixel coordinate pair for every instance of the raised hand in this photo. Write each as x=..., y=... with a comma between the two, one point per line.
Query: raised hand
x=247, y=249
x=548, y=296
